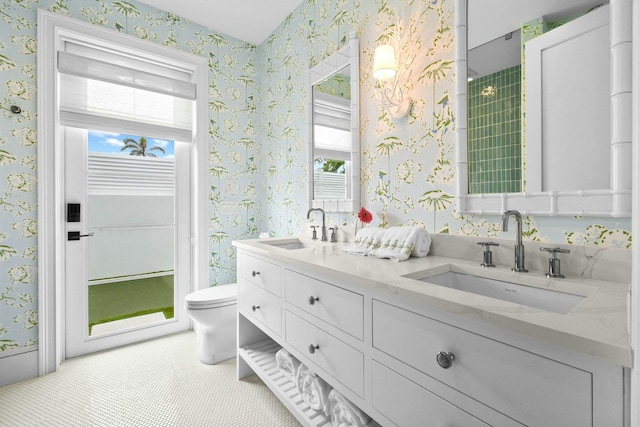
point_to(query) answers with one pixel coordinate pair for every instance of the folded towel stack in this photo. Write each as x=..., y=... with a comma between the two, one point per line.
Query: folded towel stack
x=399, y=243
x=345, y=414
x=287, y=364
x=313, y=390
x=367, y=239
x=395, y=243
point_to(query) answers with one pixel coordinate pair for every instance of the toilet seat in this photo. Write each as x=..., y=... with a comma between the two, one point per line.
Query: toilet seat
x=216, y=296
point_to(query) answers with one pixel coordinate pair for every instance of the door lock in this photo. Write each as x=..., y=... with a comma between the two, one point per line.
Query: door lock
x=75, y=235
x=73, y=212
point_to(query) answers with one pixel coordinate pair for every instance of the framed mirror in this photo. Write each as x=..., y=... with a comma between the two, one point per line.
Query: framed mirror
x=521, y=157
x=334, y=131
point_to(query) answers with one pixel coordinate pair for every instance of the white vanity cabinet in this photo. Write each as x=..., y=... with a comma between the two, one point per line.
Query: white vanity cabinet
x=260, y=308
x=318, y=315
x=379, y=349
x=261, y=273
x=322, y=325
x=524, y=386
x=259, y=292
x=408, y=404
x=331, y=304
x=339, y=363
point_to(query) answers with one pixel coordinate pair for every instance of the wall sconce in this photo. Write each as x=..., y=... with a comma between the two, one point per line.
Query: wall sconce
x=388, y=87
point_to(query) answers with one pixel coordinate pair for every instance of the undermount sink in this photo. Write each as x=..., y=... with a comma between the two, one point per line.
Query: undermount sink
x=530, y=296
x=289, y=243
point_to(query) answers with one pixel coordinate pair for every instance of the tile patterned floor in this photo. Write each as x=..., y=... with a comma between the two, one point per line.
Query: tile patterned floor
x=156, y=383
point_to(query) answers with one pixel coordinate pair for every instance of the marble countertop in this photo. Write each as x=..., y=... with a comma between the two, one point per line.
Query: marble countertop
x=598, y=325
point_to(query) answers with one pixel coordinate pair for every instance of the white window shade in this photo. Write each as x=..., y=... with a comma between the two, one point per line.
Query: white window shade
x=91, y=68
x=100, y=95
x=331, y=143
x=331, y=127
x=99, y=52
x=331, y=111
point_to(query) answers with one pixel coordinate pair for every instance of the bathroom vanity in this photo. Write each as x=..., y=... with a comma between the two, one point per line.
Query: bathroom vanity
x=406, y=350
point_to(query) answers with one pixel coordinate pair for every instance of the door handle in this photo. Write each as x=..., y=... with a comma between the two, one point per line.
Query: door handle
x=75, y=235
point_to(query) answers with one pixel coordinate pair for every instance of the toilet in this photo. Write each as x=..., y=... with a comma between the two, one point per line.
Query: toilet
x=214, y=315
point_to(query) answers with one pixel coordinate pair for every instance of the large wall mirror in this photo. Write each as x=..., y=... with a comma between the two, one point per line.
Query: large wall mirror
x=543, y=120
x=334, y=131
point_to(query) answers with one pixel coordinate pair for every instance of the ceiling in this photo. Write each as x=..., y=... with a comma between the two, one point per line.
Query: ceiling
x=248, y=20
x=490, y=19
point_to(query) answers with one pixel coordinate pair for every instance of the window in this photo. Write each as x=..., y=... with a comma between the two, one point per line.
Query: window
x=332, y=146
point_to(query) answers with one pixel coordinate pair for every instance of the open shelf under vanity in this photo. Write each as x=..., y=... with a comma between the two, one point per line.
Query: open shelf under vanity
x=261, y=358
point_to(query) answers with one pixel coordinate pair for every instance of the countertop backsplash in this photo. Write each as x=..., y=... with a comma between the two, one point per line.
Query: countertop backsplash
x=589, y=262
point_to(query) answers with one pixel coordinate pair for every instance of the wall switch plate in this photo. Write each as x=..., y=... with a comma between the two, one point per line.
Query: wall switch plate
x=230, y=186
x=228, y=208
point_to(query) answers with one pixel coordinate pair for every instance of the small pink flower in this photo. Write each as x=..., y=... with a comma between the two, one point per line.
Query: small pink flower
x=365, y=216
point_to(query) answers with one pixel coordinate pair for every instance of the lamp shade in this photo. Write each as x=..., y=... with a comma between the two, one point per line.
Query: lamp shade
x=384, y=62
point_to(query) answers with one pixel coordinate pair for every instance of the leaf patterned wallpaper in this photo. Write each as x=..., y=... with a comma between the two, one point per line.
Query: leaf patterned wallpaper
x=258, y=137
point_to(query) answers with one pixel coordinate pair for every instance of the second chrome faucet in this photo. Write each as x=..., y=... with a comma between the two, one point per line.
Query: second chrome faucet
x=519, y=247
x=324, y=227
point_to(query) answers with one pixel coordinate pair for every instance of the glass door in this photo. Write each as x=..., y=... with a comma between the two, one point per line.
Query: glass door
x=128, y=244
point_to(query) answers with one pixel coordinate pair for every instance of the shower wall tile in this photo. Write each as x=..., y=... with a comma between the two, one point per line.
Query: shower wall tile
x=494, y=132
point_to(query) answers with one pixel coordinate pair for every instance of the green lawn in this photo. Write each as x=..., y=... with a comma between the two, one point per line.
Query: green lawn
x=130, y=298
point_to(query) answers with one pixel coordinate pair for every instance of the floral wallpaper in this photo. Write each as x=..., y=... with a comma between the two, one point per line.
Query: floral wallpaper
x=408, y=166
x=233, y=139
x=258, y=132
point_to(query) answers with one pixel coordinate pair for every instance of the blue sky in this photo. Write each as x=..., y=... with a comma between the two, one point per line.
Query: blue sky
x=111, y=143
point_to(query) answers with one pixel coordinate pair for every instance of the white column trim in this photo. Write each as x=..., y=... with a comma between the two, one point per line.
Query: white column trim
x=635, y=273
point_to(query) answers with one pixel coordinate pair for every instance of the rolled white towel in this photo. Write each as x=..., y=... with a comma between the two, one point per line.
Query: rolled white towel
x=313, y=390
x=423, y=243
x=399, y=243
x=344, y=413
x=367, y=239
x=287, y=364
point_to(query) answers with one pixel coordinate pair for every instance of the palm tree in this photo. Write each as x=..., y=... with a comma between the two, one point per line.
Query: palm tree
x=140, y=148
x=330, y=165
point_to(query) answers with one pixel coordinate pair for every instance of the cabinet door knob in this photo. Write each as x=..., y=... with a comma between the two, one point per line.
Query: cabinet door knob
x=255, y=307
x=255, y=273
x=444, y=359
x=312, y=300
x=313, y=348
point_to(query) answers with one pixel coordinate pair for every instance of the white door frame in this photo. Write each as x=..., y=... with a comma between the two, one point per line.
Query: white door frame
x=50, y=162
x=635, y=228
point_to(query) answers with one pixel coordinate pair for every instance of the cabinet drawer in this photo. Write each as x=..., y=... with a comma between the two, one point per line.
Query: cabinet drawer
x=262, y=273
x=531, y=389
x=408, y=404
x=260, y=307
x=340, y=360
x=337, y=306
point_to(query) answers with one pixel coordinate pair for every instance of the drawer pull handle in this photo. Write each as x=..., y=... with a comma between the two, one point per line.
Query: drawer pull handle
x=255, y=273
x=312, y=300
x=255, y=307
x=313, y=348
x=444, y=359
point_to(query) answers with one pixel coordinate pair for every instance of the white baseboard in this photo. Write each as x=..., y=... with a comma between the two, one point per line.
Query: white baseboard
x=18, y=367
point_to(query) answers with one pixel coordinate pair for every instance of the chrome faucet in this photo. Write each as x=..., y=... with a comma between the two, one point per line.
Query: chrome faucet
x=324, y=227
x=519, y=248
